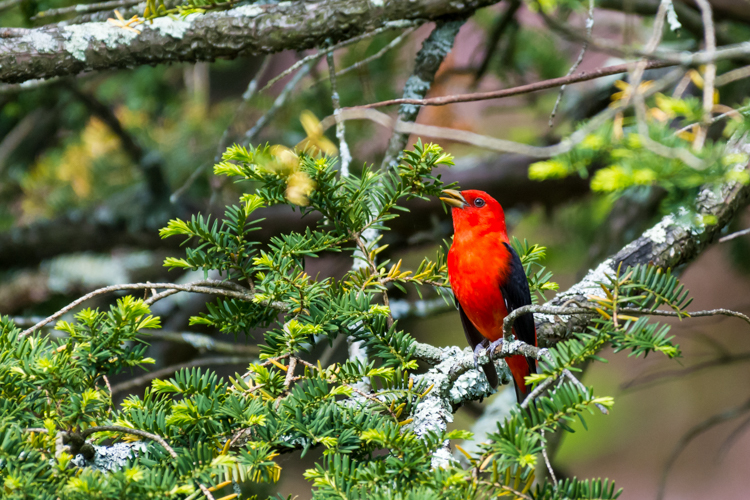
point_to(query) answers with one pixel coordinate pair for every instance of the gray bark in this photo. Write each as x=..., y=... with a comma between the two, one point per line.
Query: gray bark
x=247, y=30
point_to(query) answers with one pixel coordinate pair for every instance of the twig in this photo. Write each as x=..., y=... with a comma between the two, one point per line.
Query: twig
x=497, y=33
x=491, y=143
x=426, y=64
x=247, y=96
x=734, y=112
x=732, y=76
x=732, y=438
x=210, y=287
x=13, y=32
x=664, y=375
x=374, y=399
x=314, y=58
x=9, y=4
x=206, y=492
x=135, y=432
x=85, y=8
x=344, y=155
x=567, y=373
x=203, y=342
x=691, y=434
x=290, y=372
x=709, y=75
x=278, y=103
x=546, y=461
x=732, y=236
x=589, y=28
x=522, y=89
x=391, y=45
x=131, y=384
x=536, y=392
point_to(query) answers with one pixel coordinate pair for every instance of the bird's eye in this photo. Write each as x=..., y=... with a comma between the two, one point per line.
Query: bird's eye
x=479, y=203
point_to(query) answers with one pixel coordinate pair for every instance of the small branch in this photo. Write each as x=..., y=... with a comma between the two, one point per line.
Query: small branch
x=732, y=76
x=210, y=287
x=391, y=45
x=85, y=8
x=135, y=432
x=546, y=459
x=543, y=309
x=492, y=143
x=9, y=4
x=503, y=22
x=589, y=28
x=710, y=73
x=133, y=383
x=427, y=63
x=567, y=373
x=290, y=372
x=206, y=492
x=314, y=58
x=664, y=375
x=247, y=96
x=732, y=236
x=522, y=89
x=278, y=103
x=344, y=155
x=693, y=433
x=203, y=342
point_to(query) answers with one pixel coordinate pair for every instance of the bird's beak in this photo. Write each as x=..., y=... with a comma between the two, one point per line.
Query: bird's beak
x=454, y=198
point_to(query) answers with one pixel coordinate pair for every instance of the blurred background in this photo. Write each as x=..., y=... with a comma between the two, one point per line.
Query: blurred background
x=91, y=167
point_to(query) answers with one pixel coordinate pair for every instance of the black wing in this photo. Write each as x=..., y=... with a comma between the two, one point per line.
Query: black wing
x=516, y=294
x=475, y=338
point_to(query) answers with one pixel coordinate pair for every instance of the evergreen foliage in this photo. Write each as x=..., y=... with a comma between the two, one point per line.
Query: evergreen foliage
x=360, y=415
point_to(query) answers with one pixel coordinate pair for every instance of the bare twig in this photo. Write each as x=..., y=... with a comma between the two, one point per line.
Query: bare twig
x=206, y=492
x=314, y=58
x=247, y=96
x=522, y=89
x=210, y=287
x=666, y=375
x=85, y=8
x=426, y=64
x=589, y=28
x=732, y=236
x=133, y=383
x=203, y=342
x=278, y=103
x=709, y=75
x=694, y=432
x=503, y=22
x=290, y=372
x=391, y=45
x=732, y=76
x=125, y=430
x=9, y=4
x=344, y=155
x=547, y=461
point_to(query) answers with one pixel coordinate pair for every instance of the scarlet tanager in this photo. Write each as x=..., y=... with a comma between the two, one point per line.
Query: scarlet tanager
x=488, y=281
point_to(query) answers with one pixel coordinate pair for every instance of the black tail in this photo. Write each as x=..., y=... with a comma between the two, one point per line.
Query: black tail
x=491, y=373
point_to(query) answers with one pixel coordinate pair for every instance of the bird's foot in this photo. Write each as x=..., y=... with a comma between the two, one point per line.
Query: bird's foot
x=493, y=346
x=478, y=350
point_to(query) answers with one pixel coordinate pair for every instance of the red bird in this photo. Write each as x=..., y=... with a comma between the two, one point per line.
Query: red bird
x=488, y=281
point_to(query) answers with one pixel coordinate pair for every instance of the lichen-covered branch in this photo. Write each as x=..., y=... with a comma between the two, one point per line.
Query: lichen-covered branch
x=246, y=30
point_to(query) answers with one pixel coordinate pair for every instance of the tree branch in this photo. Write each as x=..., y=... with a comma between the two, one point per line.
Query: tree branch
x=249, y=29
x=211, y=287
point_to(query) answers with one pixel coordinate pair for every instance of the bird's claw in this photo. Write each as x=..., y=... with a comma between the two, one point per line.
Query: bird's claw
x=493, y=346
x=478, y=350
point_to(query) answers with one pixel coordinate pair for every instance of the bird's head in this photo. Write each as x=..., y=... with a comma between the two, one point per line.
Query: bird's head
x=475, y=211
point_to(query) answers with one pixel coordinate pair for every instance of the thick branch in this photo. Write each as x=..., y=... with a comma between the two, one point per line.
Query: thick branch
x=246, y=30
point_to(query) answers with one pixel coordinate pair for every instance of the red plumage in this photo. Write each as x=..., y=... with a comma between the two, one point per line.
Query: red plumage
x=488, y=279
